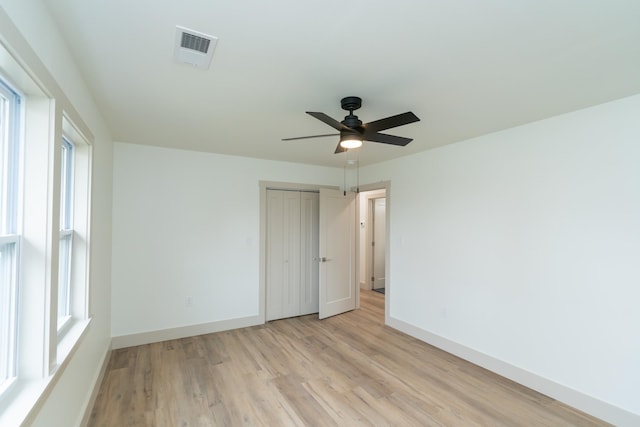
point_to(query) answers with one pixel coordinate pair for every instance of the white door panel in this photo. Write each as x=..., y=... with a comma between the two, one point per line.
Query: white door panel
x=309, y=218
x=283, y=254
x=291, y=296
x=337, y=252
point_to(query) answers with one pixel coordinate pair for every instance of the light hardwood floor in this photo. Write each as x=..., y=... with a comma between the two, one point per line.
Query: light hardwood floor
x=348, y=370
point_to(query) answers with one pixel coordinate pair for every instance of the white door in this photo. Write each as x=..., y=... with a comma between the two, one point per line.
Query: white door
x=283, y=254
x=337, y=253
x=379, y=242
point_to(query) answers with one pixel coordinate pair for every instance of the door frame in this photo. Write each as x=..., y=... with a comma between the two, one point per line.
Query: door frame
x=382, y=185
x=367, y=256
x=274, y=185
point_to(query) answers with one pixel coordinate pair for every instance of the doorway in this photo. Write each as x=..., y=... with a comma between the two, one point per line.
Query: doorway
x=377, y=209
x=373, y=240
x=373, y=235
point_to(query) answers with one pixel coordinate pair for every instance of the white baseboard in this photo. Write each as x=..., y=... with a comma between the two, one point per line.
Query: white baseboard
x=97, y=382
x=598, y=408
x=131, y=340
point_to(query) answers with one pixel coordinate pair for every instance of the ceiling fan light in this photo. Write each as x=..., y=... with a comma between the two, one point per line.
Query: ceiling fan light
x=350, y=141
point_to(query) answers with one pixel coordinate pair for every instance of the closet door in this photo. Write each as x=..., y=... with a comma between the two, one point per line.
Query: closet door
x=283, y=254
x=309, y=265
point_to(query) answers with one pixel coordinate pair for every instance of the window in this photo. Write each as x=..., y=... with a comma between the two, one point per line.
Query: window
x=9, y=237
x=66, y=232
x=73, y=253
x=44, y=307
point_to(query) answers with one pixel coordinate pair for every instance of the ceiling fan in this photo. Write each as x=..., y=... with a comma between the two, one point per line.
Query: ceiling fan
x=353, y=131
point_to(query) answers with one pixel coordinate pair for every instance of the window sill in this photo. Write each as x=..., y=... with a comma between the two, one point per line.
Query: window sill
x=20, y=404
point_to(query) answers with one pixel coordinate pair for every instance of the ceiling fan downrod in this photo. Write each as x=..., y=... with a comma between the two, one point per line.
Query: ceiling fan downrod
x=350, y=104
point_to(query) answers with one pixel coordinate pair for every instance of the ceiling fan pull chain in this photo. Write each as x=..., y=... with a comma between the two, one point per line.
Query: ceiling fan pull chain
x=344, y=175
x=358, y=173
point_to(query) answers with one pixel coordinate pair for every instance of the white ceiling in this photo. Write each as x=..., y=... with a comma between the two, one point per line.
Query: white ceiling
x=465, y=67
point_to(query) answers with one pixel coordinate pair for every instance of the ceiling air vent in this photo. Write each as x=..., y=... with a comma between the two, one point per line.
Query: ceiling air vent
x=193, y=47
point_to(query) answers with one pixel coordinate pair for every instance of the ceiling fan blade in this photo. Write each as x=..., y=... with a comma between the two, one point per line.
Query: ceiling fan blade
x=389, y=122
x=388, y=139
x=340, y=149
x=328, y=120
x=308, y=137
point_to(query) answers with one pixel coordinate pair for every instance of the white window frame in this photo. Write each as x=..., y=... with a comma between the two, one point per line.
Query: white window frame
x=11, y=115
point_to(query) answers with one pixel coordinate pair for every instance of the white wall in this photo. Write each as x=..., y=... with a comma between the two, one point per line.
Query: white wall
x=186, y=224
x=521, y=249
x=38, y=45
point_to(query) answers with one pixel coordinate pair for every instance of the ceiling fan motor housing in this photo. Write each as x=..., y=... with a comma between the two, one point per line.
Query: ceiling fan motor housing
x=352, y=122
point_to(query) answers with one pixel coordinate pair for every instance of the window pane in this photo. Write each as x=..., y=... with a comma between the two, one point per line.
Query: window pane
x=9, y=103
x=66, y=186
x=66, y=231
x=64, y=277
x=9, y=149
x=3, y=160
x=7, y=310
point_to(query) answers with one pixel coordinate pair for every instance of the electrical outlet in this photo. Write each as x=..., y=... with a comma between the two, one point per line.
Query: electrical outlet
x=188, y=301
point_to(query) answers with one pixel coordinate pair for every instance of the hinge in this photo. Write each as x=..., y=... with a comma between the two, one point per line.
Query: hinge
x=373, y=279
x=373, y=243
